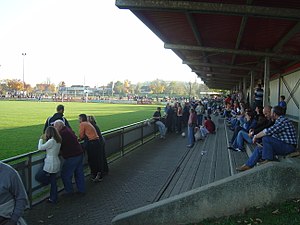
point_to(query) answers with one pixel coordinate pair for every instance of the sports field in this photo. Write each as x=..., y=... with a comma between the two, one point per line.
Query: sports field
x=22, y=122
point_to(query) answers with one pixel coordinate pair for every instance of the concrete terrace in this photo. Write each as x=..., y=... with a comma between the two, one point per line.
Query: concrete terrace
x=155, y=171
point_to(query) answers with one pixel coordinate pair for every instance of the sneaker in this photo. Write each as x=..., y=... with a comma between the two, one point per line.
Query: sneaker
x=243, y=168
x=98, y=178
x=51, y=201
x=237, y=150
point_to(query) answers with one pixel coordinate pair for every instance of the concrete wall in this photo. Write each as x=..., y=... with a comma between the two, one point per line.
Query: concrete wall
x=271, y=182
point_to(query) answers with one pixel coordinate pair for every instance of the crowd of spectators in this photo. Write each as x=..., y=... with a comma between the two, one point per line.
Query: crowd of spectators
x=267, y=127
x=188, y=115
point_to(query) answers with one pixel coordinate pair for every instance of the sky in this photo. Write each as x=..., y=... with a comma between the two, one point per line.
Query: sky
x=88, y=42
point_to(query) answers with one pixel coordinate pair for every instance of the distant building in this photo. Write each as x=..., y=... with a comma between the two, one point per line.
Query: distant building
x=145, y=89
x=81, y=90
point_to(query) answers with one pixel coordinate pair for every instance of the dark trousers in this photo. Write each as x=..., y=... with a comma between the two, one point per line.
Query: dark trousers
x=94, y=156
x=48, y=178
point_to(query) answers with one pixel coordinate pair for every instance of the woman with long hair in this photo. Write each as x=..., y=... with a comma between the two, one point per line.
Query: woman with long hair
x=50, y=142
x=104, y=164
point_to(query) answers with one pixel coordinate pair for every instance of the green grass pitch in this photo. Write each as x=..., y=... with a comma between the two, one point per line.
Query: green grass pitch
x=22, y=122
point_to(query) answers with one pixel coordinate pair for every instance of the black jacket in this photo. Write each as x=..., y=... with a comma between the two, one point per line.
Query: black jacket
x=57, y=116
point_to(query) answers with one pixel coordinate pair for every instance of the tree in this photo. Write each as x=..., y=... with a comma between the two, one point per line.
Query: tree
x=118, y=87
x=45, y=88
x=158, y=86
x=137, y=88
x=126, y=86
x=15, y=85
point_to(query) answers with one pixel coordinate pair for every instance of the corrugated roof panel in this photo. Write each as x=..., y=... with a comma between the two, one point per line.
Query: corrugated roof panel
x=293, y=45
x=218, y=30
x=173, y=25
x=263, y=34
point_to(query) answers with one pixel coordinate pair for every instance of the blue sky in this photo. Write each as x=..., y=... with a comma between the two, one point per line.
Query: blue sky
x=81, y=40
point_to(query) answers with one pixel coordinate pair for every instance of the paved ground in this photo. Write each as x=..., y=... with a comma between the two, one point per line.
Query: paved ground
x=134, y=181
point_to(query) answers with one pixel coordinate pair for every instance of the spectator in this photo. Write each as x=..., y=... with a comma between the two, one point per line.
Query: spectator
x=105, y=169
x=192, y=122
x=179, y=118
x=185, y=115
x=59, y=115
x=282, y=103
x=250, y=123
x=279, y=139
x=169, y=118
x=258, y=96
x=238, y=144
x=227, y=100
x=88, y=133
x=161, y=127
x=200, y=110
x=13, y=197
x=51, y=163
x=209, y=125
x=72, y=153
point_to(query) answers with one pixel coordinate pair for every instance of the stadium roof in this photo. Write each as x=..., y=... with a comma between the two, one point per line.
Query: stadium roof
x=222, y=41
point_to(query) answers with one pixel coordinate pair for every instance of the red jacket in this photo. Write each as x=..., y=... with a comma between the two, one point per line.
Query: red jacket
x=210, y=126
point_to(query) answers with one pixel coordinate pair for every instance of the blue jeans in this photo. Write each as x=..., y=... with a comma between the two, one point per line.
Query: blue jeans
x=199, y=119
x=256, y=155
x=48, y=178
x=271, y=147
x=191, y=138
x=239, y=141
x=161, y=128
x=73, y=165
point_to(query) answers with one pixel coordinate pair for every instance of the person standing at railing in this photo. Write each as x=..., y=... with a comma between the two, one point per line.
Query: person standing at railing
x=52, y=162
x=13, y=197
x=72, y=153
x=89, y=134
x=161, y=126
x=59, y=115
x=92, y=120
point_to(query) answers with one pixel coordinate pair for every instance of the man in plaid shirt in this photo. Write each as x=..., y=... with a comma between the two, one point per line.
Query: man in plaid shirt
x=279, y=139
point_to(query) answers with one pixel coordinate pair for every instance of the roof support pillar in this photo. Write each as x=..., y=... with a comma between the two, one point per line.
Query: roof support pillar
x=266, y=100
x=251, y=92
x=244, y=91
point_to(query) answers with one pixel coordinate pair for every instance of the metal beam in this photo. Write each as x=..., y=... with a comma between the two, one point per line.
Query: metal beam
x=219, y=73
x=286, y=37
x=239, y=37
x=241, y=32
x=210, y=8
x=196, y=32
x=266, y=98
x=231, y=51
x=221, y=79
x=226, y=66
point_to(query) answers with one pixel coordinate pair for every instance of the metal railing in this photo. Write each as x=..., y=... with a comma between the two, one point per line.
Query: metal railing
x=118, y=142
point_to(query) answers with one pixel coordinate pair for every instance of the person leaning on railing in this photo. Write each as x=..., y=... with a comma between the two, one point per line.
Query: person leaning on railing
x=13, y=197
x=72, y=153
x=88, y=133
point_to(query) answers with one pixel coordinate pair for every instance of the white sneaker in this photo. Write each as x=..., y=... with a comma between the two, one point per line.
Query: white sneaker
x=98, y=178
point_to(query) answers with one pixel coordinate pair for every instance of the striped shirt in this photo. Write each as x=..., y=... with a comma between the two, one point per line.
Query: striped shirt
x=283, y=130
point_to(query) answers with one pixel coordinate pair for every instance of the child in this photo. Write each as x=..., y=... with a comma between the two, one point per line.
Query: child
x=51, y=163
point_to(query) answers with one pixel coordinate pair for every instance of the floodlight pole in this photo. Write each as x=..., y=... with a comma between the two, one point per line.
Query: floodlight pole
x=23, y=54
